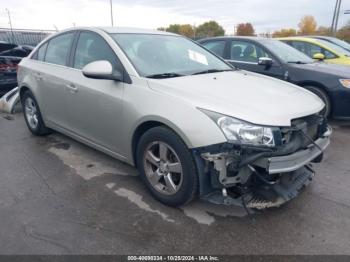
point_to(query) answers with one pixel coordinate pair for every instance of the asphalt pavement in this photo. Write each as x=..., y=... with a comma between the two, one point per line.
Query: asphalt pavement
x=58, y=196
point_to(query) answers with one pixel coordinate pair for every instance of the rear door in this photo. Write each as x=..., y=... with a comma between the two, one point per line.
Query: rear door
x=51, y=78
x=94, y=106
x=245, y=55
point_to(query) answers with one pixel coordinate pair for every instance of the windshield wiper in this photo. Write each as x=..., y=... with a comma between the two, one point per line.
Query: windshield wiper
x=208, y=71
x=164, y=75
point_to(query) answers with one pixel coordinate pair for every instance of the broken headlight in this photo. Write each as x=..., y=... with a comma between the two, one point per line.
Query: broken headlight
x=238, y=131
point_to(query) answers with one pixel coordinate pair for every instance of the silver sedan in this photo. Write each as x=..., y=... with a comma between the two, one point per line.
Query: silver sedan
x=192, y=124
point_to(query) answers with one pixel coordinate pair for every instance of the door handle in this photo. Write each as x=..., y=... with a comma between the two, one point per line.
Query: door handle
x=72, y=88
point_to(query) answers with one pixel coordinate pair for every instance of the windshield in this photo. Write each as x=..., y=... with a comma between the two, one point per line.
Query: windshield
x=167, y=55
x=340, y=43
x=334, y=47
x=285, y=52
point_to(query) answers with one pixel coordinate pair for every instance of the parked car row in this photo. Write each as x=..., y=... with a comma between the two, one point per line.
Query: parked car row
x=276, y=59
x=191, y=123
x=10, y=56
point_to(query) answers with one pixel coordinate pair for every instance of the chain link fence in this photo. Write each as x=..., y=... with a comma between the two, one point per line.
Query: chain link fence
x=23, y=36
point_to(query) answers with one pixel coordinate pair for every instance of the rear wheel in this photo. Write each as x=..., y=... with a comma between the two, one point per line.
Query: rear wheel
x=321, y=94
x=32, y=115
x=166, y=167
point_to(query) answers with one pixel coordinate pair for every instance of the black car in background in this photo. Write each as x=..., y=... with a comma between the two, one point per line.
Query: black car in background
x=276, y=59
x=10, y=56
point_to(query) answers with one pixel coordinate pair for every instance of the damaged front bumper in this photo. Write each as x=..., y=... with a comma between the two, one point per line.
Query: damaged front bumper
x=260, y=178
x=292, y=162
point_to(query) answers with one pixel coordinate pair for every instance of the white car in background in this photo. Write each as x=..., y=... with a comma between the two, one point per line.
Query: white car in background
x=192, y=124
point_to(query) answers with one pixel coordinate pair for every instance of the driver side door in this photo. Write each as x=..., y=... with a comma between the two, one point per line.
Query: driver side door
x=94, y=106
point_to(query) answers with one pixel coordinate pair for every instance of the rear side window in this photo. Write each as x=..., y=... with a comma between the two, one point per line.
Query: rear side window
x=92, y=47
x=41, y=52
x=246, y=51
x=217, y=47
x=58, y=49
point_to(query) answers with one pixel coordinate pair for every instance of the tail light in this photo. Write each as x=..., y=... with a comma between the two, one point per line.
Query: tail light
x=10, y=67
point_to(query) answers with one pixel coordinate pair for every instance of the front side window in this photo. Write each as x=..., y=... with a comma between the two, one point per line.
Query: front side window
x=92, y=47
x=246, y=52
x=217, y=47
x=153, y=54
x=58, y=49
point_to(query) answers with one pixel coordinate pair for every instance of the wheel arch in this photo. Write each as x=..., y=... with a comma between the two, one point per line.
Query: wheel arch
x=146, y=125
x=315, y=84
x=23, y=89
x=322, y=88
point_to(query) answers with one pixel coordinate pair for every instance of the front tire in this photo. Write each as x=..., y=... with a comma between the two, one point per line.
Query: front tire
x=32, y=115
x=167, y=167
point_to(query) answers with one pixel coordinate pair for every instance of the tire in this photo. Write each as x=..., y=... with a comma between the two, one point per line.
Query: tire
x=167, y=167
x=322, y=94
x=32, y=115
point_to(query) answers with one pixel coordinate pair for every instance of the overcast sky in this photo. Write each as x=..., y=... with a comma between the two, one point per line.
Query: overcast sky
x=265, y=15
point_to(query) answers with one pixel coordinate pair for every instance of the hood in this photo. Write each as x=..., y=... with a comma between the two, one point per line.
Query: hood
x=244, y=95
x=330, y=69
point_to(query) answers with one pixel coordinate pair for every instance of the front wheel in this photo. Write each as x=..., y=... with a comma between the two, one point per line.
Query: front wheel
x=167, y=167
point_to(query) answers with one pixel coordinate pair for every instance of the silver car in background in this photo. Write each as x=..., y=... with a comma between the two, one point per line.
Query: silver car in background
x=192, y=124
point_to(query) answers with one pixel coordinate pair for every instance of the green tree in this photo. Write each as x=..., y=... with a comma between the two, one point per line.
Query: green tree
x=245, y=29
x=209, y=29
x=174, y=28
x=307, y=25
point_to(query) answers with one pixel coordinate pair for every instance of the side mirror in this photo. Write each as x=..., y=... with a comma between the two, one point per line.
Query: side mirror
x=101, y=70
x=318, y=56
x=265, y=61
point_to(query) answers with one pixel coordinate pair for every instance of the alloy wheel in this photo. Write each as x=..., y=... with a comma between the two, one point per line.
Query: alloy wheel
x=31, y=113
x=163, y=168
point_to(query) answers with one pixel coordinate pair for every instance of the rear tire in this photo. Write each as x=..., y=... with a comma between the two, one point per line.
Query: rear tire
x=167, y=167
x=323, y=95
x=32, y=115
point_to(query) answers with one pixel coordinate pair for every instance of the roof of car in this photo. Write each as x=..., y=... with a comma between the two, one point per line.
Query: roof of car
x=121, y=30
x=235, y=37
x=299, y=38
x=320, y=36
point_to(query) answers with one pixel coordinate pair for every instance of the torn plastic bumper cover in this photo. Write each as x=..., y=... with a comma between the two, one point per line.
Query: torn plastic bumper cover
x=259, y=178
